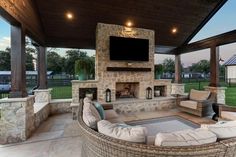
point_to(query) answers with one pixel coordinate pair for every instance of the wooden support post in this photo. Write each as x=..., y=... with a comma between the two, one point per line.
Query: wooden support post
x=42, y=68
x=18, y=69
x=178, y=78
x=214, y=67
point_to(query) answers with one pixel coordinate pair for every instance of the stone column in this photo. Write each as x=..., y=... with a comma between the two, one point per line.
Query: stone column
x=42, y=95
x=219, y=92
x=214, y=67
x=42, y=68
x=18, y=69
x=16, y=120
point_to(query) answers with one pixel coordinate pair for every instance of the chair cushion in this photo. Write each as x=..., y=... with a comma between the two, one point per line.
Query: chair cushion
x=110, y=114
x=199, y=95
x=185, y=138
x=222, y=130
x=228, y=115
x=189, y=104
x=123, y=131
x=90, y=114
x=100, y=110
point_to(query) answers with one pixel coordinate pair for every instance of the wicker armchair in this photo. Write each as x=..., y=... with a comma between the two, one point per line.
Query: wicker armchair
x=227, y=112
x=203, y=107
x=96, y=144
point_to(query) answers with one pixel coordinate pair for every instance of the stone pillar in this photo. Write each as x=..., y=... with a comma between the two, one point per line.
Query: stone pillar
x=42, y=95
x=219, y=91
x=178, y=77
x=214, y=67
x=16, y=120
x=18, y=69
x=42, y=68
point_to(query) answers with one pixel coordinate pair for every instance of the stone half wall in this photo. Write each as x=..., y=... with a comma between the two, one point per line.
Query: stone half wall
x=107, y=79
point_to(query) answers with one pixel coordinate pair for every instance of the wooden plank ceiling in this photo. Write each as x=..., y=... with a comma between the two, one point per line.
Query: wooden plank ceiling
x=159, y=15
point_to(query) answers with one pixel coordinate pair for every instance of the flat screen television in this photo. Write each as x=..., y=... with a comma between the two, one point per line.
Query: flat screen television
x=129, y=49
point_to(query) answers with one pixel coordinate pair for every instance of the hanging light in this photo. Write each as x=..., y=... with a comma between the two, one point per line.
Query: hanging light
x=108, y=95
x=149, y=93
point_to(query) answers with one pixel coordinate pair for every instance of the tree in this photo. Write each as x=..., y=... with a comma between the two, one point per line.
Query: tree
x=203, y=66
x=5, y=62
x=169, y=65
x=71, y=57
x=55, y=62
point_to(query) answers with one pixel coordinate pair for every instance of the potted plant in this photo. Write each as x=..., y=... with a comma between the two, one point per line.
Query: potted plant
x=158, y=71
x=83, y=67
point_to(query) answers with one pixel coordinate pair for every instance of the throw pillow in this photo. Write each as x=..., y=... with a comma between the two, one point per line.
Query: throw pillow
x=100, y=110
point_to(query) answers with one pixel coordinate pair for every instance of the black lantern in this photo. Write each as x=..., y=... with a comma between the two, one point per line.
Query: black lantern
x=149, y=93
x=108, y=95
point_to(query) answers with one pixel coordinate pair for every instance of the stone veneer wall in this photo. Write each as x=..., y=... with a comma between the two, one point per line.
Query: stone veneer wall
x=156, y=104
x=107, y=79
x=17, y=119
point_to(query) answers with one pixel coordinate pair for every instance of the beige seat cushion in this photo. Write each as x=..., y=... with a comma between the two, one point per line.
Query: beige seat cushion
x=189, y=104
x=228, y=115
x=199, y=95
x=123, y=131
x=185, y=138
x=222, y=130
x=90, y=114
x=110, y=114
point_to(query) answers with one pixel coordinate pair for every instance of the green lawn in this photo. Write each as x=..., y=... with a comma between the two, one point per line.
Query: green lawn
x=61, y=92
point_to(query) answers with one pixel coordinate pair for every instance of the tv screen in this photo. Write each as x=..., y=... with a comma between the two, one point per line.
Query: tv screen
x=129, y=49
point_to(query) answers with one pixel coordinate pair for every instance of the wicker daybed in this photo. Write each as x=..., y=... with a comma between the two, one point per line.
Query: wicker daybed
x=96, y=144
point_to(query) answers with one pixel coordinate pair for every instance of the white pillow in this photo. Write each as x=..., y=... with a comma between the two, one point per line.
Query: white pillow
x=222, y=130
x=90, y=114
x=123, y=131
x=185, y=138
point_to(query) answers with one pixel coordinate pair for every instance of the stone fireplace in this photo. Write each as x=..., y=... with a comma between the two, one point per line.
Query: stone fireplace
x=124, y=79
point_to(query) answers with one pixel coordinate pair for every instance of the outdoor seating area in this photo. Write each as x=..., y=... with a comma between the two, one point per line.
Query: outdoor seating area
x=119, y=106
x=207, y=140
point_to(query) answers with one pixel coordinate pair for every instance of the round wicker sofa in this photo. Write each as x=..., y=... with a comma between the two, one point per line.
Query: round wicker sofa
x=96, y=144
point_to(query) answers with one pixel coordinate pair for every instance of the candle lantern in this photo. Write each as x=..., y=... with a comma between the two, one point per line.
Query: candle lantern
x=108, y=95
x=149, y=93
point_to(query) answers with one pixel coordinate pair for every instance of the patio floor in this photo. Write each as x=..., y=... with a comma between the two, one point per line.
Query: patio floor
x=59, y=135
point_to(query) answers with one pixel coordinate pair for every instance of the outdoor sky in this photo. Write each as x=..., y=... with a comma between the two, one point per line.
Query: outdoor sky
x=223, y=21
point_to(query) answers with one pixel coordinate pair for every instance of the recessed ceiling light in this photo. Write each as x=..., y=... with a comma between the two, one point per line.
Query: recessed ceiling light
x=129, y=24
x=69, y=15
x=174, y=30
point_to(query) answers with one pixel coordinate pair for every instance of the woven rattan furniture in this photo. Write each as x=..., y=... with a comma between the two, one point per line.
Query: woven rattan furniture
x=96, y=144
x=204, y=107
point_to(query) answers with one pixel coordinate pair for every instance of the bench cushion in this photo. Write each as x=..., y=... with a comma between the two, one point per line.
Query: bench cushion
x=110, y=114
x=222, y=130
x=123, y=131
x=189, y=104
x=185, y=138
x=228, y=115
x=199, y=95
x=90, y=114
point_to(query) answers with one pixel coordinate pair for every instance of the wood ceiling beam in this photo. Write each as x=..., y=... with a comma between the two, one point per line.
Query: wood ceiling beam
x=23, y=13
x=218, y=40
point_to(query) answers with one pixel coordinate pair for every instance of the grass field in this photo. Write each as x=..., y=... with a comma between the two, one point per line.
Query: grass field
x=64, y=92
x=61, y=92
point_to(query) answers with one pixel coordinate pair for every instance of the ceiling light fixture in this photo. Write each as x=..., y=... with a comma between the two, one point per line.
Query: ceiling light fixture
x=174, y=30
x=69, y=15
x=129, y=24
